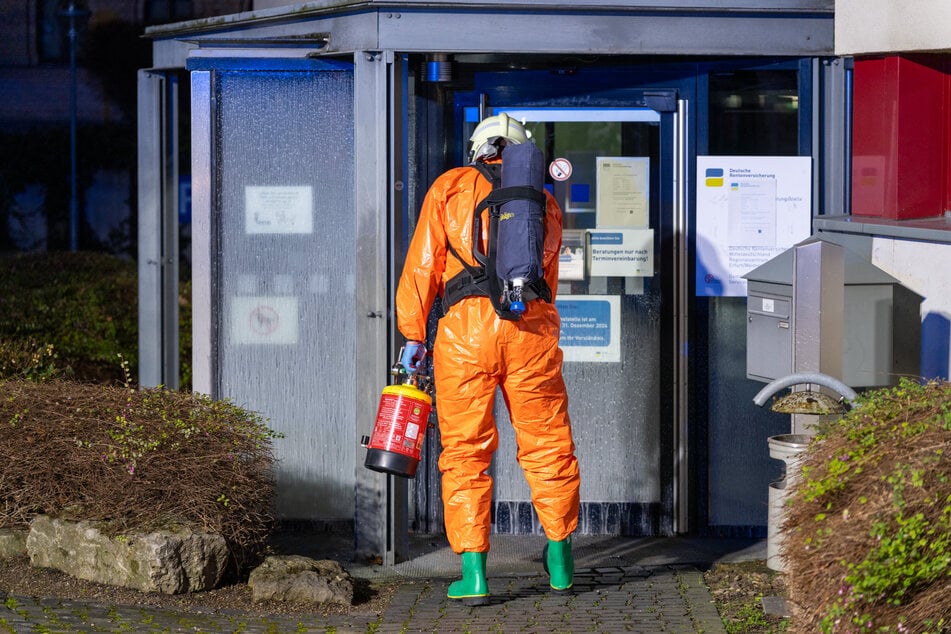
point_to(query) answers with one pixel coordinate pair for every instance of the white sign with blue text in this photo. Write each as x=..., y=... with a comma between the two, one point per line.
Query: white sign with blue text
x=590, y=327
x=621, y=252
x=749, y=210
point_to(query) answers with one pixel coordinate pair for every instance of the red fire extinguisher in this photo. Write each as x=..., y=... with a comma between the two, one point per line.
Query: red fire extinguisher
x=400, y=427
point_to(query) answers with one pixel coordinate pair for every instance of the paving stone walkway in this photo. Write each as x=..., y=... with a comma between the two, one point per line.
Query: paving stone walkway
x=610, y=600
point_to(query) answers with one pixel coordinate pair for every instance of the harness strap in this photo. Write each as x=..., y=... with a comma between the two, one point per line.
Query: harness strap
x=492, y=172
x=502, y=195
x=463, y=285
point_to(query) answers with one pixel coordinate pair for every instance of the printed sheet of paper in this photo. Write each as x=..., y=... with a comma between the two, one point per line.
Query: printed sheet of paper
x=571, y=259
x=753, y=212
x=264, y=320
x=278, y=209
x=621, y=252
x=590, y=328
x=623, y=191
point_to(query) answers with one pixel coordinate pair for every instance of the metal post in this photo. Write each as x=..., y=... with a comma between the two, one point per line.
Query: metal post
x=73, y=203
x=72, y=15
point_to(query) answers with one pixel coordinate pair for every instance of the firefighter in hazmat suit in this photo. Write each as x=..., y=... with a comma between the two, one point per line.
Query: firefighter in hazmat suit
x=474, y=352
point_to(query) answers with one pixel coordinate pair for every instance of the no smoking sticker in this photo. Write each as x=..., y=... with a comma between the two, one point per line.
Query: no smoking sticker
x=264, y=320
x=560, y=169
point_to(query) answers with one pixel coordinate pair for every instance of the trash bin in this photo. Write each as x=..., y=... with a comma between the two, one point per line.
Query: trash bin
x=785, y=447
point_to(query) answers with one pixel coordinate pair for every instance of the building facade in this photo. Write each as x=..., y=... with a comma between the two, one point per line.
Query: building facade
x=687, y=143
x=900, y=176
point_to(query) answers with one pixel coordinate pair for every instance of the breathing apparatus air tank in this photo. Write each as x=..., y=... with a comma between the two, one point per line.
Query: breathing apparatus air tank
x=521, y=238
x=401, y=421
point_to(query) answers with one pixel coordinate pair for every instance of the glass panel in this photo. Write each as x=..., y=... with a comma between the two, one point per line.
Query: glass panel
x=740, y=466
x=619, y=441
x=51, y=38
x=752, y=112
x=286, y=277
x=159, y=11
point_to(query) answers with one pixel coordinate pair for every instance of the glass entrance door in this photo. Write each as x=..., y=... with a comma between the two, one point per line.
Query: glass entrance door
x=612, y=171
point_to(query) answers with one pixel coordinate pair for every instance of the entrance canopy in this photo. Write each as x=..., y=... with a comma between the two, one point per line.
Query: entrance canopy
x=583, y=27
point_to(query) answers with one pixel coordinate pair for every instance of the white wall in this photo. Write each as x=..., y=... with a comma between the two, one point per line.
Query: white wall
x=879, y=26
x=923, y=267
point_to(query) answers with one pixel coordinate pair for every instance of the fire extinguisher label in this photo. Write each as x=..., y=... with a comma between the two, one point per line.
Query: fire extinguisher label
x=399, y=425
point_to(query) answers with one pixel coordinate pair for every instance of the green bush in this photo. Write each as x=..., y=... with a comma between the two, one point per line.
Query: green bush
x=77, y=440
x=868, y=533
x=82, y=304
x=185, y=334
x=79, y=312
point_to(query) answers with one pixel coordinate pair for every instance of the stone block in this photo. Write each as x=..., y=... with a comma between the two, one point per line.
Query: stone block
x=298, y=579
x=167, y=561
x=12, y=543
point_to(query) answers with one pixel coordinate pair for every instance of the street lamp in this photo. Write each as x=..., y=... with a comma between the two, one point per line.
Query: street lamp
x=75, y=17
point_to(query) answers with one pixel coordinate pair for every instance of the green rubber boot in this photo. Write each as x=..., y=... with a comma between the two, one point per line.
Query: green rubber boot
x=472, y=589
x=560, y=565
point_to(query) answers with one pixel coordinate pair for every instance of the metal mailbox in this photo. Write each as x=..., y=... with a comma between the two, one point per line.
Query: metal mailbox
x=881, y=330
x=768, y=327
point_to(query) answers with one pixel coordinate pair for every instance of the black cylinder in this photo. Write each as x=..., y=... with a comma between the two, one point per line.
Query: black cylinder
x=391, y=462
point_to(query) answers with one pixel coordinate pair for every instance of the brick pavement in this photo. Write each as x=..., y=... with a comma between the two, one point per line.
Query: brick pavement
x=644, y=599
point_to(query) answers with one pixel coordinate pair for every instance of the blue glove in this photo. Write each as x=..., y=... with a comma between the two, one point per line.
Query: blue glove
x=413, y=353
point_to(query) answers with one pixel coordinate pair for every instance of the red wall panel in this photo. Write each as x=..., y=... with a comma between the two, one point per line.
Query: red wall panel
x=901, y=137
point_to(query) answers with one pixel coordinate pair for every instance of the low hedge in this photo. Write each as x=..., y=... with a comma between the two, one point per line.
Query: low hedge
x=78, y=441
x=136, y=460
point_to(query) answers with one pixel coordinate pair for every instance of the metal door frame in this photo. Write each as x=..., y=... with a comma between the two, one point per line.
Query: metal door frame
x=678, y=503
x=158, y=250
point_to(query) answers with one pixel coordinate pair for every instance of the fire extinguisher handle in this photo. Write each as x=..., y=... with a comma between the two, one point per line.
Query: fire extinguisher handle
x=411, y=355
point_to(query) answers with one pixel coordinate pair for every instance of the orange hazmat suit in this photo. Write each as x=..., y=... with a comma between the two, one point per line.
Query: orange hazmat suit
x=474, y=352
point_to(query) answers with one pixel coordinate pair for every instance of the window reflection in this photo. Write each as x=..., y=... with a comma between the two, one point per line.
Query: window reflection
x=754, y=112
x=160, y=11
x=51, y=32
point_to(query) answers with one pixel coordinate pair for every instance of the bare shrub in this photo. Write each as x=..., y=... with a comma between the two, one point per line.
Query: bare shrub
x=27, y=359
x=868, y=533
x=135, y=460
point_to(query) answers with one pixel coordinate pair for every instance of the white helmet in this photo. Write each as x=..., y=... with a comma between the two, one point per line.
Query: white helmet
x=487, y=134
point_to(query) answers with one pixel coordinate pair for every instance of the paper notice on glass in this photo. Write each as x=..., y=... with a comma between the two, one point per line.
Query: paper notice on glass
x=623, y=191
x=752, y=212
x=749, y=210
x=621, y=252
x=278, y=209
x=571, y=258
x=590, y=327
